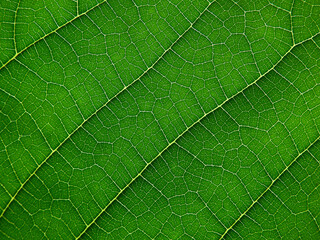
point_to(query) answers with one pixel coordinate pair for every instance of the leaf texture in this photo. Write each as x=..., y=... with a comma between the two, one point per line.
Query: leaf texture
x=159, y=119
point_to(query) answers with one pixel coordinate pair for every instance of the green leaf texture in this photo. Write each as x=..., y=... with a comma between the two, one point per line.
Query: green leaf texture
x=149, y=119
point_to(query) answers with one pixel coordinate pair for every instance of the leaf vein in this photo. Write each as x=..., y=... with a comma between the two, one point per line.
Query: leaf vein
x=268, y=188
x=187, y=129
x=44, y=36
x=104, y=105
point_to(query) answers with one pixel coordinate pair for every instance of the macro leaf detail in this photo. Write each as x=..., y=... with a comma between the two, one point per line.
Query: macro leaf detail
x=159, y=119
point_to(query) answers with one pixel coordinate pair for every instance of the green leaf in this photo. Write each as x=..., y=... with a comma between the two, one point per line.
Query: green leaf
x=159, y=119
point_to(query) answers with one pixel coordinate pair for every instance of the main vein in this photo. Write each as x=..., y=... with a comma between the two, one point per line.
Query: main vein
x=268, y=188
x=125, y=88
x=46, y=35
x=99, y=109
x=186, y=130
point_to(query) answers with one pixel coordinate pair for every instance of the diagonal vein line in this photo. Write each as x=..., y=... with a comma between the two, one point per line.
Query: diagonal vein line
x=268, y=188
x=188, y=128
x=151, y=67
x=48, y=34
x=99, y=109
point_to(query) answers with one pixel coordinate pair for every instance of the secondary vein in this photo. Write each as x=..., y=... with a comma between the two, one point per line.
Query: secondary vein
x=46, y=35
x=104, y=105
x=186, y=130
x=268, y=188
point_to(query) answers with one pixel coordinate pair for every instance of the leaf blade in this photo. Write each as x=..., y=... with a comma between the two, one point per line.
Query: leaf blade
x=199, y=74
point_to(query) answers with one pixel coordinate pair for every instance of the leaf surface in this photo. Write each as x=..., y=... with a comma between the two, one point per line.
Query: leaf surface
x=159, y=119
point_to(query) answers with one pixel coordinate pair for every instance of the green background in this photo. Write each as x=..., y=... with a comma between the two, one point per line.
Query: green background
x=159, y=119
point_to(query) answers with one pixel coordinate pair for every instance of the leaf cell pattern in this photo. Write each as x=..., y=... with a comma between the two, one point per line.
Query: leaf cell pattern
x=159, y=119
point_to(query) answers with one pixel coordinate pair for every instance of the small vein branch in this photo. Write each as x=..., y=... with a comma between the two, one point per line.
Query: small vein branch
x=268, y=188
